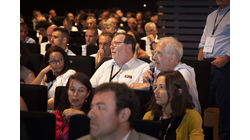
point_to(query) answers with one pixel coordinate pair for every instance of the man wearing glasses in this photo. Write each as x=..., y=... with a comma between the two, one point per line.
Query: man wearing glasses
x=123, y=67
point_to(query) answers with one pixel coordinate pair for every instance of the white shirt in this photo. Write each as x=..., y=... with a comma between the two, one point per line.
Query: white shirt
x=60, y=80
x=148, y=49
x=131, y=71
x=43, y=48
x=69, y=52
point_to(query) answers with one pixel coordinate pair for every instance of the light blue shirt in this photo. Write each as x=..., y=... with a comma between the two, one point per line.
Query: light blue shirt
x=221, y=34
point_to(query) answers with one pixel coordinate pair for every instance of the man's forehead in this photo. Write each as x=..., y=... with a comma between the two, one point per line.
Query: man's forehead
x=104, y=96
x=119, y=37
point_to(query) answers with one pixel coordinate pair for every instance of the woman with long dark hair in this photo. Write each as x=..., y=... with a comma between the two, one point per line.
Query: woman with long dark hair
x=56, y=73
x=173, y=106
x=75, y=101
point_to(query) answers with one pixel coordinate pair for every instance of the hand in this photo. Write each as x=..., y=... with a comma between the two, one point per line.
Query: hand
x=67, y=113
x=141, y=86
x=47, y=69
x=151, y=38
x=219, y=61
x=147, y=76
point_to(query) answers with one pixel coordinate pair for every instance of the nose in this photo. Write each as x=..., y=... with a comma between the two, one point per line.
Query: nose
x=91, y=113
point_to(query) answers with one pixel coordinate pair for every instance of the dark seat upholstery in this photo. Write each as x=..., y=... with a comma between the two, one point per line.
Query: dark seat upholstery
x=83, y=64
x=37, y=125
x=34, y=63
x=33, y=48
x=145, y=98
x=35, y=96
x=59, y=91
x=151, y=128
x=77, y=38
x=202, y=76
x=78, y=126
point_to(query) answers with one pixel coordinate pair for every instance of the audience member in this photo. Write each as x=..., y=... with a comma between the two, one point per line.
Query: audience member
x=41, y=27
x=114, y=21
x=91, y=37
x=132, y=24
x=114, y=109
x=173, y=106
x=108, y=27
x=168, y=54
x=151, y=38
x=45, y=45
x=75, y=101
x=70, y=16
x=139, y=53
x=123, y=68
x=104, y=47
x=68, y=25
x=24, y=34
x=91, y=23
x=215, y=48
x=60, y=38
x=52, y=15
x=56, y=73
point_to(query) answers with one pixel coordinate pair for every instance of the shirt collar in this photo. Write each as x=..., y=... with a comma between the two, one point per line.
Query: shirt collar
x=127, y=65
x=224, y=10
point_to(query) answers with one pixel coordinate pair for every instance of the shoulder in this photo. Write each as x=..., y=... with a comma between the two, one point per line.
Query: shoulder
x=86, y=137
x=139, y=136
x=148, y=116
x=139, y=62
x=193, y=116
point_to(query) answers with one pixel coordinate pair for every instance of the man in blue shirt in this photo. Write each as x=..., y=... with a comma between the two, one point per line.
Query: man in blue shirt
x=215, y=47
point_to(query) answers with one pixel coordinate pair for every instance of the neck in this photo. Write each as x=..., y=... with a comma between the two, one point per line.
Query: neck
x=120, y=63
x=166, y=112
x=76, y=107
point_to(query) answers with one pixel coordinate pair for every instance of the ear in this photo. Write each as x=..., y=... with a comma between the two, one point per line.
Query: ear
x=129, y=47
x=65, y=40
x=124, y=114
x=179, y=91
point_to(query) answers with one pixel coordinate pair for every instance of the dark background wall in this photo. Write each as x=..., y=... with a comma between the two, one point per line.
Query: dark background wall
x=27, y=6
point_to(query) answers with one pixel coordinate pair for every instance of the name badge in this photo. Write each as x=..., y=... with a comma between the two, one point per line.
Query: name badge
x=84, y=50
x=209, y=44
x=128, y=76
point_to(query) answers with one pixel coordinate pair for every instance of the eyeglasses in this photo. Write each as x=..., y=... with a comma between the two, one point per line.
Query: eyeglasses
x=56, y=61
x=116, y=43
x=159, y=86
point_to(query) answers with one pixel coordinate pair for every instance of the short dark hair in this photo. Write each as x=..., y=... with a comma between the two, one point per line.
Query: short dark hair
x=43, y=24
x=50, y=76
x=124, y=98
x=64, y=32
x=179, y=101
x=64, y=101
x=128, y=40
x=110, y=35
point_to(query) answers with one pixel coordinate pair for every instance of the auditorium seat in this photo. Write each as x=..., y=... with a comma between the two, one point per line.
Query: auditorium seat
x=33, y=48
x=59, y=91
x=35, y=96
x=34, y=63
x=151, y=128
x=84, y=64
x=78, y=126
x=37, y=125
x=77, y=38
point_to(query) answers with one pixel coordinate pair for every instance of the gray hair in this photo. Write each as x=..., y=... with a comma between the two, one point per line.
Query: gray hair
x=173, y=46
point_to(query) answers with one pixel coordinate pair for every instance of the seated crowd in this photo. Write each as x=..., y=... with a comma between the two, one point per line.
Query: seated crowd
x=123, y=48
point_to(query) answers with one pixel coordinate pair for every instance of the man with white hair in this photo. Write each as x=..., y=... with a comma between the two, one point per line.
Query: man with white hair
x=167, y=56
x=151, y=38
x=48, y=43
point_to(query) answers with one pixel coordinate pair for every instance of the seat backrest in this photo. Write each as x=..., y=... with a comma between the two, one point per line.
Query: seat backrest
x=37, y=125
x=144, y=97
x=84, y=64
x=35, y=96
x=33, y=48
x=202, y=76
x=59, y=91
x=34, y=63
x=78, y=126
x=151, y=128
x=77, y=37
x=92, y=49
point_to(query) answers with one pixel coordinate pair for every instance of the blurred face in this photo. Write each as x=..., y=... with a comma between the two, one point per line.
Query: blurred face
x=90, y=37
x=56, y=61
x=57, y=39
x=42, y=31
x=71, y=16
x=222, y=3
x=77, y=93
x=139, y=16
x=91, y=23
x=113, y=21
x=132, y=23
x=104, y=120
x=23, y=32
x=104, y=44
x=150, y=31
x=67, y=25
x=49, y=32
x=118, y=48
x=160, y=92
x=163, y=60
x=52, y=13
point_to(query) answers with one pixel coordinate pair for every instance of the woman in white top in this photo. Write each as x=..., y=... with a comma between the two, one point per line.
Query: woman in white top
x=56, y=73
